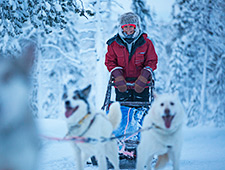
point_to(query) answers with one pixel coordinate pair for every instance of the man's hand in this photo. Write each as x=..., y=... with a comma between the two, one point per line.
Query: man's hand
x=120, y=82
x=142, y=80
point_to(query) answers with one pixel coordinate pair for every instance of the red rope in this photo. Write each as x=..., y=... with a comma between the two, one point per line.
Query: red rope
x=76, y=139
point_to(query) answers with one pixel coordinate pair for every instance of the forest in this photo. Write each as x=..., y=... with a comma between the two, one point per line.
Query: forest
x=71, y=36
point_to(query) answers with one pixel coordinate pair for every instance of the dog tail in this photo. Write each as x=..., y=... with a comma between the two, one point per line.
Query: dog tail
x=162, y=160
x=115, y=114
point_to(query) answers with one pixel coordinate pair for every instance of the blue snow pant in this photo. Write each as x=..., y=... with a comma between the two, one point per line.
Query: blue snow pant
x=131, y=122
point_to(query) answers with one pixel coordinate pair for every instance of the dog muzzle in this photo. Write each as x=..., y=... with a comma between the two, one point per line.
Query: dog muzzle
x=70, y=111
x=168, y=120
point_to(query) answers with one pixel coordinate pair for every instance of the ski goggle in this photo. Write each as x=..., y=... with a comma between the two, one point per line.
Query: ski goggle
x=128, y=25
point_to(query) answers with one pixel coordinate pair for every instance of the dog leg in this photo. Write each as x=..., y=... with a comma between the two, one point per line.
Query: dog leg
x=102, y=165
x=162, y=161
x=78, y=159
x=176, y=165
x=85, y=157
x=149, y=163
x=175, y=157
x=101, y=157
x=143, y=156
x=112, y=154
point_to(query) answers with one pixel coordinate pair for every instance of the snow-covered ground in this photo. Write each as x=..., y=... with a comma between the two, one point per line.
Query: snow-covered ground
x=203, y=148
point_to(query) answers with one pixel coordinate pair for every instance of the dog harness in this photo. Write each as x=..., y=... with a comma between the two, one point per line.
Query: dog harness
x=159, y=128
x=91, y=122
x=80, y=122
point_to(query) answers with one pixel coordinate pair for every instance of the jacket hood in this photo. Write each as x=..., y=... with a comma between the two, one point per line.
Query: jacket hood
x=129, y=18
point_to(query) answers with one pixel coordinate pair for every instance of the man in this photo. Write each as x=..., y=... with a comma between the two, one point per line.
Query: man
x=131, y=58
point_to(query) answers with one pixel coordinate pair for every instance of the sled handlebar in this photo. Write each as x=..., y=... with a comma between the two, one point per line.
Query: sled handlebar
x=107, y=100
x=132, y=84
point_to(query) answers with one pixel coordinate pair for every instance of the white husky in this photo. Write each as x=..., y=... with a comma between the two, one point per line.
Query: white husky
x=84, y=122
x=165, y=138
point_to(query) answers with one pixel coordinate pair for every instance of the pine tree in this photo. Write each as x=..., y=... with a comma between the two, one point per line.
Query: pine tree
x=45, y=14
x=57, y=59
x=139, y=7
x=216, y=63
x=58, y=64
x=216, y=91
x=197, y=23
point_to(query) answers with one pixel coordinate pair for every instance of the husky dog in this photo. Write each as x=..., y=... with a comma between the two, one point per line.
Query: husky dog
x=83, y=122
x=18, y=134
x=164, y=139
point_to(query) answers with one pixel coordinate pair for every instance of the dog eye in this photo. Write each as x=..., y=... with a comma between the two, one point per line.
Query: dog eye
x=162, y=104
x=75, y=97
x=64, y=96
x=171, y=103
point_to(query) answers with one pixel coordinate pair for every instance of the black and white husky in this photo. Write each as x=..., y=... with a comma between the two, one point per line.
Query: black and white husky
x=84, y=122
x=18, y=135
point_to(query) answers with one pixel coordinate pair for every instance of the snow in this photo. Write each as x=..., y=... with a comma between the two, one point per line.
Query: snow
x=203, y=148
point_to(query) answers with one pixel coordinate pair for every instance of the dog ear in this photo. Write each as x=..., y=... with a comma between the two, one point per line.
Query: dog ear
x=64, y=96
x=86, y=91
x=65, y=88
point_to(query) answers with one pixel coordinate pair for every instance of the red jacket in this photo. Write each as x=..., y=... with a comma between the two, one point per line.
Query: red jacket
x=142, y=54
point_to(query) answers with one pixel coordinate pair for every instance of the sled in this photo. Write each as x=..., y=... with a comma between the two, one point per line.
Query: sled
x=132, y=116
x=134, y=104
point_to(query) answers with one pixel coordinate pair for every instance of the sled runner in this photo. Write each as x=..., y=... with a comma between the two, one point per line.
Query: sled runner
x=133, y=113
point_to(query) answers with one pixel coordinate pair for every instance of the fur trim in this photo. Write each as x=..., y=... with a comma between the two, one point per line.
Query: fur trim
x=115, y=69
x=129, y=18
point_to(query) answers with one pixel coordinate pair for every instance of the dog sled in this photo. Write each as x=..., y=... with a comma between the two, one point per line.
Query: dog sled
x=133, y=113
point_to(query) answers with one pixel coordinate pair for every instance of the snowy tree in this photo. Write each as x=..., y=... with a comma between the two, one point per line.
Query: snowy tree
x=45, y=14
x=57, y=58
x=68, y=57
x=139, y=7
x=59, y=64
x=216, y=87
x=93, y=34
x=198, y=26
x=215, y=68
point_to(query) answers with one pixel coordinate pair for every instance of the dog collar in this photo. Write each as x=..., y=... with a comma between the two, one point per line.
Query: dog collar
x=156, y=126
x=91, y=122
x=85, y=117
x=169, y=132
x=79, y=124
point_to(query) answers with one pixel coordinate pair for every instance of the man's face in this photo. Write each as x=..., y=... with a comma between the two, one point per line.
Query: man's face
x=128, y=29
